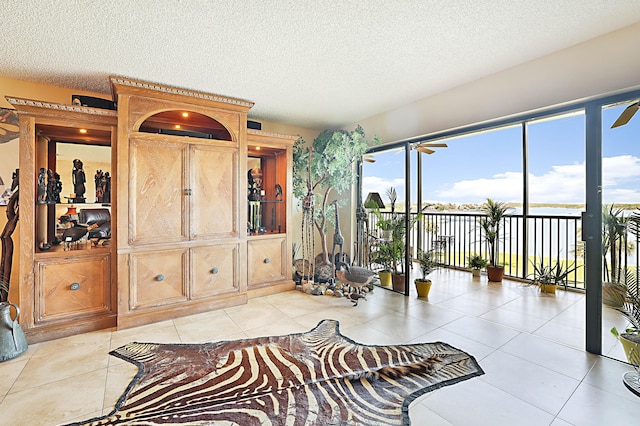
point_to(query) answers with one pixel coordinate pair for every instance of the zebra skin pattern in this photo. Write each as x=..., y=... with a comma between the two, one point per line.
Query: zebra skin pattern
x=315, y=378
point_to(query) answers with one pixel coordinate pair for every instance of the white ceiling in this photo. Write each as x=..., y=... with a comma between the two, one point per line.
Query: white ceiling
x=312, y=63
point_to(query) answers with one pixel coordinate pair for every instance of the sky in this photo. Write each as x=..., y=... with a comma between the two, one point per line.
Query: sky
x=489, y=164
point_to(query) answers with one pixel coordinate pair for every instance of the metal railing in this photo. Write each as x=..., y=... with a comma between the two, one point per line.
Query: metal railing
x=523, y=241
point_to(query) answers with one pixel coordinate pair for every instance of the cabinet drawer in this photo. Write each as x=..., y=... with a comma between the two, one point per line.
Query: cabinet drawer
x=69, y=287
x=266, y=260
x=158, y=278
x=215, y=270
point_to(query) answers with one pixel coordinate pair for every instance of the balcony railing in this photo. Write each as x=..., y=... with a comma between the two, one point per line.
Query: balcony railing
x=457, y=236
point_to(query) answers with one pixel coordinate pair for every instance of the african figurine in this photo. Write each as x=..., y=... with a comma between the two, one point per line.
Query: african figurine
x=42, y=186
x=78, y=179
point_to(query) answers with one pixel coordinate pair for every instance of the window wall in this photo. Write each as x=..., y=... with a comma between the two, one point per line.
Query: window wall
x=562, y=161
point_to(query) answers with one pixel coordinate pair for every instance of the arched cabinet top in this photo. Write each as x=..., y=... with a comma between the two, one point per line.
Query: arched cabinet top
x=185, y=123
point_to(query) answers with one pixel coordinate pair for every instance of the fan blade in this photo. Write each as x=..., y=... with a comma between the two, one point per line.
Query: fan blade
x=433, y=145
x=626, y=115
x=10, y=127
x=2, y=131
x=425, y=150
x=369, y=158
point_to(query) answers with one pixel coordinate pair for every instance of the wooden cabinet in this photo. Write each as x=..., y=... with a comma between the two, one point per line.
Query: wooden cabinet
x=269, y=214
x=267, y=260
x=215, y=271
x=179, y=198
x=72, y=287
x=181, y=241
x=69, y=287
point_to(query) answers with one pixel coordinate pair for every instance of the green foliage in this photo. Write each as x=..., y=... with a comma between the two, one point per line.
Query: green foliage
x=328, y=165
x=393, y=251
x=556, y=273
x=427, y=261
x=631, y=306
x=477, y=262
x=491, y=226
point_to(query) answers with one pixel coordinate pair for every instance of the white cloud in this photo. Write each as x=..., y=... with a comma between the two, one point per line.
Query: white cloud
x=380, y=185
x=562, y=184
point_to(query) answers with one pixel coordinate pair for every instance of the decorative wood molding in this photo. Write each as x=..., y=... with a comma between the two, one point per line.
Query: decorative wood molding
x=269, y=134
x=61, y=107
x=178, y=91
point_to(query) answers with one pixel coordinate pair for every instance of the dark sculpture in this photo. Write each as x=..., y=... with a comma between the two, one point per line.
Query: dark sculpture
x=7, y=242
x=103, y=187
x=78, y=178
x=42, y=186
x=54, y=187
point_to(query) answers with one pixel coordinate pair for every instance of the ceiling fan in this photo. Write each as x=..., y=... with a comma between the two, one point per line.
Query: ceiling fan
x=626, y=114
x=369, y=158
x=5, y=126
x=426, y=147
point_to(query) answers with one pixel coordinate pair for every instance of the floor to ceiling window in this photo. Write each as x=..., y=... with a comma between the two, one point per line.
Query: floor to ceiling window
x=551, y=166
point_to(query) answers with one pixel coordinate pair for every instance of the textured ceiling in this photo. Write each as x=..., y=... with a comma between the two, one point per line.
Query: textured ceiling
x=312, y=63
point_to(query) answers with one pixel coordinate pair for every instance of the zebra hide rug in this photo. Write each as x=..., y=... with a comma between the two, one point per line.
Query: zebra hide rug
x=315, y=378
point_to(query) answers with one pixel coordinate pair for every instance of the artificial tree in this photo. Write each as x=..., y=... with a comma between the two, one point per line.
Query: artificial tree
x=327, y=166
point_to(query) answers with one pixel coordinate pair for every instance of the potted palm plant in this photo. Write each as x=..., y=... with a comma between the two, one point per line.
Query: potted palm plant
x=476, y=263
x=428, y=264
x=549, y=277
x=630, y=338
x=495, y=212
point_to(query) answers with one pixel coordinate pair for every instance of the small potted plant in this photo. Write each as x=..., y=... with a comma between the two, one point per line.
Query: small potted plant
x=426, y=260
x=495, y=212
x=549, y=277
x=384, y=256
x=630, y=338
x=476, y=263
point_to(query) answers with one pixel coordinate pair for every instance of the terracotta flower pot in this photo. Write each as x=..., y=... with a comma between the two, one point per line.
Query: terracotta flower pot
x=397, y=281
x=495, y=273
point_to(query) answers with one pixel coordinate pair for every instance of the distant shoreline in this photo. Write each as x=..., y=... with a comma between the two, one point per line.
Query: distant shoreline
x=475, y=207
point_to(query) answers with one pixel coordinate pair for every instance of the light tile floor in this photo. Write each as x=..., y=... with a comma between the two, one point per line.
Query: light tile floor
x=530, y=346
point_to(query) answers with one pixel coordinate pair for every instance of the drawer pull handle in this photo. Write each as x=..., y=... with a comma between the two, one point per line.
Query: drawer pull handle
x=160, y=277
x=214, y=271
x=267, y=260
x=74, y=286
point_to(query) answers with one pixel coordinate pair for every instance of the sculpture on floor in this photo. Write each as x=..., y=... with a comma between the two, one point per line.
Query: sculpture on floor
x=354, y=276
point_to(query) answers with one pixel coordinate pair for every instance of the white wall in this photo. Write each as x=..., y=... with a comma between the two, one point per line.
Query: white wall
x=607, y=64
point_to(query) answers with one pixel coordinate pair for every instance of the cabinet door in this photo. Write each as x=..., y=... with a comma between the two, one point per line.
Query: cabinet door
x=214, y=270
x=157, y=188
x=158, y=278
x=213, y=192
x=70, y=287
x=266, y=260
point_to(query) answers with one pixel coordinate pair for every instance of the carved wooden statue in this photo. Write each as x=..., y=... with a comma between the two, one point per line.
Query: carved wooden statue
x=78, y=178
x=7, y=242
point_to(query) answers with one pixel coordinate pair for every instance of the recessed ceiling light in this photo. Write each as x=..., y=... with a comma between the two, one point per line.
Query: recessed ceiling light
x=83, y=130
x=177, y=126
x=257, y=148
x=185, y=114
